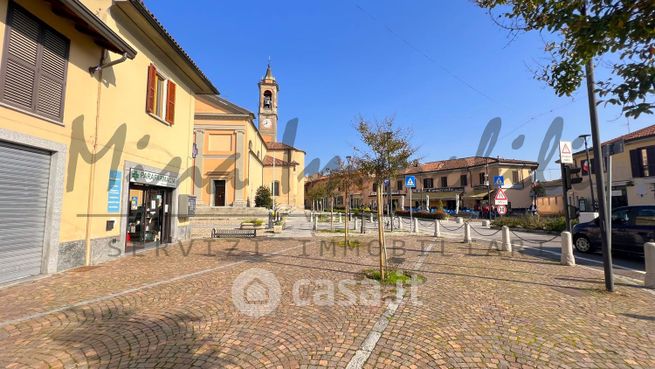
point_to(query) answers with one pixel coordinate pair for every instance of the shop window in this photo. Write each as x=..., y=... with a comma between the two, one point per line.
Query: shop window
x=444, y=181
x=482, y=177
x=428, y=183
x=34, y=65
x=463, y=180
x=160, y=99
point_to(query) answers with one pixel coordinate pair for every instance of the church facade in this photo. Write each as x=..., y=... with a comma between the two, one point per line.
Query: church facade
x=234, y=156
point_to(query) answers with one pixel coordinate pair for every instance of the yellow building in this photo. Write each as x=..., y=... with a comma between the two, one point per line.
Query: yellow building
x=633, y=172
x=97, y=105
x=235, y=157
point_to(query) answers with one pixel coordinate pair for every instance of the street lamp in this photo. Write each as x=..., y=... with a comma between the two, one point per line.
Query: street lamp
x=591, y=183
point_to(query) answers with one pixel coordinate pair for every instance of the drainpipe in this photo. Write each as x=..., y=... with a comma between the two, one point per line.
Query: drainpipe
x=94, y=150
x=101, y=66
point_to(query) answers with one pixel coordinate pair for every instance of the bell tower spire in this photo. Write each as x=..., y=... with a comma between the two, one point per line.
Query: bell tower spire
x=268, y=92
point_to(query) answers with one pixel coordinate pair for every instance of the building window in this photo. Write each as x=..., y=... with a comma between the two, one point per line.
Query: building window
x=160, y=98
x=642, y=161
x=34, y=65
x=463, y=180
x=482, y=176
x=374, y=188
x=515, y=177
x=399, y=185
x=444, y=181
x=427, y=183
x=276, y=188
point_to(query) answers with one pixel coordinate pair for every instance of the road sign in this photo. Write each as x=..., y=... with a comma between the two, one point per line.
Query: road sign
x=410, y=181
x=565, y=152
x=499, y=181
x=501, y=209
x=501, y=197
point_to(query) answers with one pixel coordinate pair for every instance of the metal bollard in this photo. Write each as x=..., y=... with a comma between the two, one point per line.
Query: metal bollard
x=437, y=228
x=400, y=223
x=459, y=220
x=649, y=257
x=339, y=218
x=371, y=214
x=315, y=225
x=486, y=223
x=507, y=242
x=467, y=233
x=354, y=224
x=363, y=230
x=415, y=230
x=567, y=249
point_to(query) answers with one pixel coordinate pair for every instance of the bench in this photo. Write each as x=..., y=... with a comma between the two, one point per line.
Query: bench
x=233, y=233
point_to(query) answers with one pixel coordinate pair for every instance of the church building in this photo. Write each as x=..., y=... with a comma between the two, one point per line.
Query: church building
x=235, y=156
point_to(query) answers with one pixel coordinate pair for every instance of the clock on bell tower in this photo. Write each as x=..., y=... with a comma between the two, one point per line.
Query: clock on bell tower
x=268, y=90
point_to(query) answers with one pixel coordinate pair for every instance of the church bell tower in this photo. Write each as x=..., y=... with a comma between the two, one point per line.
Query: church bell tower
x=268, y=91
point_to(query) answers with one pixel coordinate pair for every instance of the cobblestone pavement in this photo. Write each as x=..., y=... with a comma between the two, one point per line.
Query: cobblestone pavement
x=476, y=309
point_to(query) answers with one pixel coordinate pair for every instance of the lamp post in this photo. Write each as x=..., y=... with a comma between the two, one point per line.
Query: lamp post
x=591, y=182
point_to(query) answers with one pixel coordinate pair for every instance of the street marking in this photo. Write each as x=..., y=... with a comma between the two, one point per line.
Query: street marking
x=131, y=290
x=367, y=347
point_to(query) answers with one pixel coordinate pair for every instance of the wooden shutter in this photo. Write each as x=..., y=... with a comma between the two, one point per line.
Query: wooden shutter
x=635, y=163
x=20, y=59
x=151, y=90
x=170, y=103
x=52, y=75
x=650, y=155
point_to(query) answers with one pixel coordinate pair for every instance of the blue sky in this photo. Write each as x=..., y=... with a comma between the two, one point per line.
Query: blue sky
x=442, y=68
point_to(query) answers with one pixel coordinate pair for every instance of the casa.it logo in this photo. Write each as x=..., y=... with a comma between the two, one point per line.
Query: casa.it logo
x=256, y=292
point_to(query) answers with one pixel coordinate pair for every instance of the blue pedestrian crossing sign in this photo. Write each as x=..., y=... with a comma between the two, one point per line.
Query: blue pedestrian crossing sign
x=499, y=181
x=410, y=181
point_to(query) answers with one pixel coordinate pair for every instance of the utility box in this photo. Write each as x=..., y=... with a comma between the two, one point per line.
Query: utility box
x=186, y=206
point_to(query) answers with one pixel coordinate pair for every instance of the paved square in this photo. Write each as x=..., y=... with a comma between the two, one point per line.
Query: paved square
x=173, y=308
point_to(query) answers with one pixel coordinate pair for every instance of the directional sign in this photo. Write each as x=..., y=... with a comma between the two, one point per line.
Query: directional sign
x=410, y=181
x=501, y=209
x=501, y=197
x=499, y=181
x=565, y=152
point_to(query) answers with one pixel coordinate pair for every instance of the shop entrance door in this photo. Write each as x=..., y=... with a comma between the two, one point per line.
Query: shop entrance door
x=149, y=217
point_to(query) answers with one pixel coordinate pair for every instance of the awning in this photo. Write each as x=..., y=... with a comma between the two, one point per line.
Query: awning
x=89, y=23
x=475, y=195
x=440, y=195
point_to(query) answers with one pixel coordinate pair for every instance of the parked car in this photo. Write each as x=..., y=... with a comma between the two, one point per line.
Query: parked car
x=632, y=226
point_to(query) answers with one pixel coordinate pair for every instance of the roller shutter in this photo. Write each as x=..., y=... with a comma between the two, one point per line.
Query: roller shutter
x=24, y=182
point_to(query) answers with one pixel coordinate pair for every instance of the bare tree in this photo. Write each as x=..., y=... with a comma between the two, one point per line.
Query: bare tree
x=345, y=177
x=386, y=152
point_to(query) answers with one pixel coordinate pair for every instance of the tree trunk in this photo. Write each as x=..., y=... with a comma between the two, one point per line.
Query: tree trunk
x=332, y=214
x=383, y=251
x=346, y=220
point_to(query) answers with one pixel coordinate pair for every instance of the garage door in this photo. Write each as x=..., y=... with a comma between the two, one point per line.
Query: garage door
x=24, y=177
